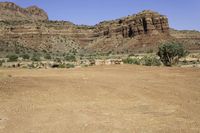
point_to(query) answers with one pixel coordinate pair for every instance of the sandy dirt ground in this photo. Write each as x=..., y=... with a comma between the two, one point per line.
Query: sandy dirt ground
x=102, y=99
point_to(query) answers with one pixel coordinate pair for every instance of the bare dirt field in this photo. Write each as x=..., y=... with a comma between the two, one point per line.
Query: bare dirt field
x=103, y=99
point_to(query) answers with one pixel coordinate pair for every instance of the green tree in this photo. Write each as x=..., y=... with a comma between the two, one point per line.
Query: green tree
x=171, y=52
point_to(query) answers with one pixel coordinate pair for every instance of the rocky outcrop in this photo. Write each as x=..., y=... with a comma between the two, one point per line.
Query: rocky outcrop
x=135, y=33
x=11, y=12
x=31, y=29
x=146, y=22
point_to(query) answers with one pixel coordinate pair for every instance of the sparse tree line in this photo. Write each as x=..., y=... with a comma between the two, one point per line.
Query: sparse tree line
x=36, y=60
x=38, y=57
x=168, y=55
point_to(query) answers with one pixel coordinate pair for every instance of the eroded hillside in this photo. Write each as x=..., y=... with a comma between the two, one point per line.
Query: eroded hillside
x=28, y=29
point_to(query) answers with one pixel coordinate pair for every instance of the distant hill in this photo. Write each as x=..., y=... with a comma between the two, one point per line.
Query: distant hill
x=10, y=11
x=190, y=38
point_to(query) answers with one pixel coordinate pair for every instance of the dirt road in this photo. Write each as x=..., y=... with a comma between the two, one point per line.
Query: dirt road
x=104, y=99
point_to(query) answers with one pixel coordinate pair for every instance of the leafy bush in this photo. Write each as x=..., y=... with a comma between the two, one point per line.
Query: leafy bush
x=171, y=52
x=25, y=56
x=64, y=65
x=12, y=57
x=150, y=51
x=131, y=61
x=70, y=58
x=61, y=66
x=70, y=65
x=35, y=57
x=58, y=60
x=150, y=61
x=47, y=56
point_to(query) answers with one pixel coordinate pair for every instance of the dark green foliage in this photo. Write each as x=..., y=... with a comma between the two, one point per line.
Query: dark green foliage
x=47, y=56
x=171, y=52
x=57, y=60
x=70, y=58
x=150, y=51
x=66, y=65
x=25, y=56
x=70, y=65
x=44, y=51
x=1, y=62
x=35, y=57
x=146, y=60
x=109, y=53
x=150, y=61
x=17, y=51
x=61, y=66
x=12, y=57
x=131, y=61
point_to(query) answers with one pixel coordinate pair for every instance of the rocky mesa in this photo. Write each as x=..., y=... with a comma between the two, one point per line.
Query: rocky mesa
x=28, y=29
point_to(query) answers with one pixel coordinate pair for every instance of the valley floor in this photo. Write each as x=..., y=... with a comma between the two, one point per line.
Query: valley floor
x=100, y=99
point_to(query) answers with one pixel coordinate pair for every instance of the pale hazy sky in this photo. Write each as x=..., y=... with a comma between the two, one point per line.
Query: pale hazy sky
x=182, y=14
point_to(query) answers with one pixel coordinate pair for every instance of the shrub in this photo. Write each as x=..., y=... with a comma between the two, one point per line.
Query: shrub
x=25, y=56
x=150, y=51
x=70, y=58
x=57, y=60
x=171, y=52
x=35, y=57
x=61, y=66
x=12, y=57
x=70, y=65
x=131, y=61
x=47, y=56
x=150, y=61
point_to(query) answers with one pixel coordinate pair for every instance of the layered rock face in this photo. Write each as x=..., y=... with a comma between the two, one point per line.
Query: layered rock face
x=146, y=22
x=136, y=33
x=30, y=28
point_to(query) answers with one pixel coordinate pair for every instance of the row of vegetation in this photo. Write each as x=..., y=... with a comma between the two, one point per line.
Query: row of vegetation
x=38, y=57
x=60, y=65
x=168, y=53
x=146, y=60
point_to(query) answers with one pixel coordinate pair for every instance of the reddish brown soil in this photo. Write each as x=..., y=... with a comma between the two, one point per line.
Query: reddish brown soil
x=104, y=99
